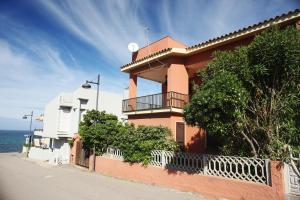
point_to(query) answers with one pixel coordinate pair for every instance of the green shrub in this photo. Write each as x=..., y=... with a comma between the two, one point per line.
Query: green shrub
x=102, y=130
x=141, y=141
x=71, y=142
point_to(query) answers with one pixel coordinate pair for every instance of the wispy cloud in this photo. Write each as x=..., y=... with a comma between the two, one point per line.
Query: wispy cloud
x=33, y=71
x=108, y=26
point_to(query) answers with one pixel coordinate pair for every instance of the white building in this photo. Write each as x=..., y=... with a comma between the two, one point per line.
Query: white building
x=61, y=121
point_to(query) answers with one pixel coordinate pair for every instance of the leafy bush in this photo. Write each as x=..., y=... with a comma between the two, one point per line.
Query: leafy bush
x=98, y=129
x=143, y=140
x=102, y=130
x=71, y=142
x=250, y=97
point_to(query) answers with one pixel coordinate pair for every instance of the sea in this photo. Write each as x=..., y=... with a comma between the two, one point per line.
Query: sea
x=12, y=141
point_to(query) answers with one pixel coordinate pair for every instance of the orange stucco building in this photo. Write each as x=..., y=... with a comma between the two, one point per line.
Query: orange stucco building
x=174, y=65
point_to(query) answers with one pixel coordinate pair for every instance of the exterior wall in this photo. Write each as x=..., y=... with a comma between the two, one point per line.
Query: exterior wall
x=199, y=60
x=74, y=149
x=50, y=121
x=178, y=80
x=211, y=186
x=110, y=102
x=195, y=139
x=156, y=119
x=132, y=85
x=61, y=127
x=166, y=42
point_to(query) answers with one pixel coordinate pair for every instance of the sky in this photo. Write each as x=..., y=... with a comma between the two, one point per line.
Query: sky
x=50, y=46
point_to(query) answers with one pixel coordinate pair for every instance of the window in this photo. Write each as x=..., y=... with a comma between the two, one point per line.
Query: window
x=64, y=119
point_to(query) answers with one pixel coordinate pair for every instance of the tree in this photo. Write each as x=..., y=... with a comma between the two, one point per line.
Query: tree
x=250, y=97
x=102, y=130
x=99, y=129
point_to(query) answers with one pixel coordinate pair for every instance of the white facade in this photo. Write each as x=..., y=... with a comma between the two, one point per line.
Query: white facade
x=62, y=117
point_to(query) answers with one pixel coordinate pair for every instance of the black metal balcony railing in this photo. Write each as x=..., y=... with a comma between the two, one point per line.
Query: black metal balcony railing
x=155, y=101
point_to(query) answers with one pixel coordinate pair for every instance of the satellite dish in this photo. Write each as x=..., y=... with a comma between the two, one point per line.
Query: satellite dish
x=133, y=47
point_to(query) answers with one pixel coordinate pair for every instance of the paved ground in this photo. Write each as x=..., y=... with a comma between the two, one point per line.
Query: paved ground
x=24, y=179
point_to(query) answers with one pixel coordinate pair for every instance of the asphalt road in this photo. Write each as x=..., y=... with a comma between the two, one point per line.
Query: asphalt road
x=25, y=179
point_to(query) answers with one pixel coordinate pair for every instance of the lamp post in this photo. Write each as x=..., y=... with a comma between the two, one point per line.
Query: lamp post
x=88, y=86
x=30, y=136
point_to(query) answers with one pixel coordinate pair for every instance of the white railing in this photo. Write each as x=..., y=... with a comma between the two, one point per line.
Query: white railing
x=114, y=153
x=242, y=168
x=295, y=161
x=292, y=177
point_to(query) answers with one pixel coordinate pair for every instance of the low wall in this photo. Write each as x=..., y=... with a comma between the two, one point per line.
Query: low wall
x=53, y=157
x=211, y=186
x=39, y=154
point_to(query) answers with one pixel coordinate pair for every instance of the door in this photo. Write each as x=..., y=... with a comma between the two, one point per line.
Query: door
x=180, y=129
x=83, y=156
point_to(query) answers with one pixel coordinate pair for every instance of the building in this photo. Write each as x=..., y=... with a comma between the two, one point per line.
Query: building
x=174, y=65
x=61, y=121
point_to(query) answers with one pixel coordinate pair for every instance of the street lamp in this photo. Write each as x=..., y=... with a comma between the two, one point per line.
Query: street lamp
x=87, y=85
x=30, y=136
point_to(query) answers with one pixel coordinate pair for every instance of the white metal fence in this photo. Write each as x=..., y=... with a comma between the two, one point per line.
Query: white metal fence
x=292, y=177
x=114, y=153
x=242, y=168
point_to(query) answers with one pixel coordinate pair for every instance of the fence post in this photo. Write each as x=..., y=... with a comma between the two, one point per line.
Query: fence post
x=205, y=163
x=267, y=167
x=163, y=159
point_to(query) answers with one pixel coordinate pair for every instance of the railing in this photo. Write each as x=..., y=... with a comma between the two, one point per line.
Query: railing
x=242, y=168
x=292, y=176
x=114, y=153
x=155, y=101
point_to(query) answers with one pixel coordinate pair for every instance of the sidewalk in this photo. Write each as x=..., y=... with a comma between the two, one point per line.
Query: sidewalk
x=22, y=179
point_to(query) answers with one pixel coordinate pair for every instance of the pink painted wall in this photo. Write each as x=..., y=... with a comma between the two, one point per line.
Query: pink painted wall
x=210, y=186
x=178, y=79
x=164, y=43
x=195, y=139
x=199, y=60
x=154, y=119
x=75, y=149
x=132, y=86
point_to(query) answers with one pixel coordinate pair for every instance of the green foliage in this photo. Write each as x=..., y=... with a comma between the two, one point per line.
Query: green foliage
x=99, y=129
x=26, y=145
x=250, y=97
x=71, y=143
x=143, y=140
x=103, y=130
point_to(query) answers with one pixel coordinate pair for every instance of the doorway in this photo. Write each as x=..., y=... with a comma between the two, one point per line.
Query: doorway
x=180, y=130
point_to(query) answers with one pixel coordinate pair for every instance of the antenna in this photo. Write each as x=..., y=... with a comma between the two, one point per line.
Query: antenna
x=147, y=29
x=133, y=47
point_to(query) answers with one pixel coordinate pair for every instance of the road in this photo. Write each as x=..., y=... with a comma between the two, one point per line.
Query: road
x=25, y=179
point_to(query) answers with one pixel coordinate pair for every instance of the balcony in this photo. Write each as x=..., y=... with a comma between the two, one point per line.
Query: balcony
x=38, y=132
x=66, y=100
x=162, y=102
